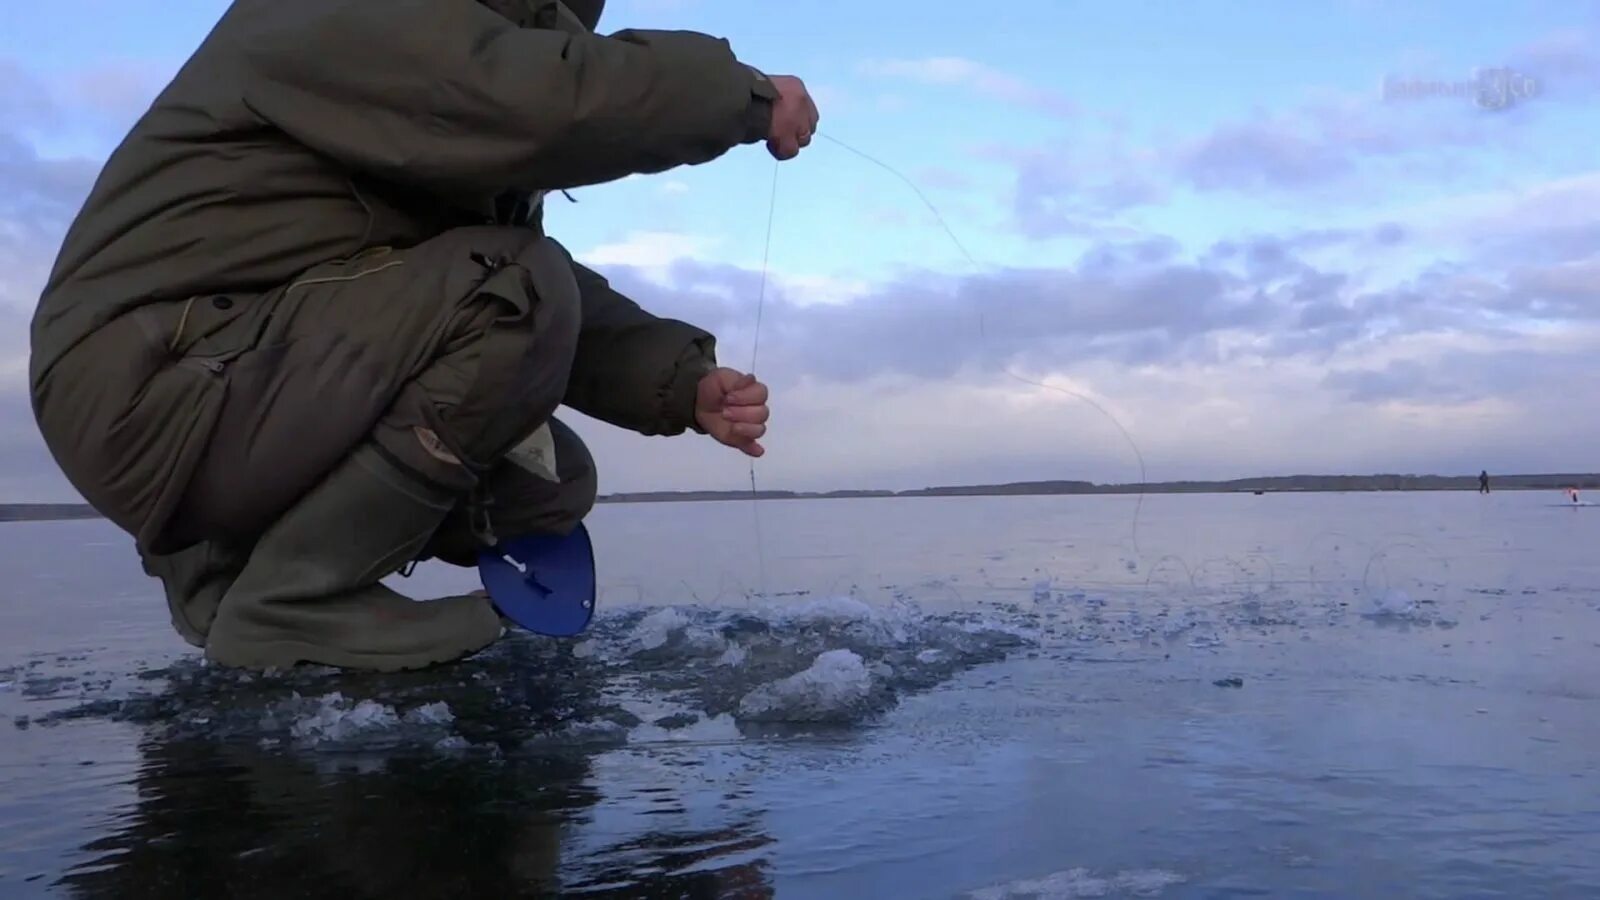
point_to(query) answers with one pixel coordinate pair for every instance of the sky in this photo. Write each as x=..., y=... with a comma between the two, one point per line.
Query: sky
x=1241, y=238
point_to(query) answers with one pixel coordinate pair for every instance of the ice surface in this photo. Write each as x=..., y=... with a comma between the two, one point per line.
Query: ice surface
x=1075, y=883
x=337, y=719
x=676, y=673
x=649, y=674
x=1396, y=603
x=833, y=689
x=430, y=714
x=658, y=627
x=697, y=729
x=334, y=718
x=672, y=718
x=841, y=608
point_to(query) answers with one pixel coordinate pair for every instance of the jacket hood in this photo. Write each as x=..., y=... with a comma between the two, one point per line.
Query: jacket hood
x=524, y=12
x=587, y=11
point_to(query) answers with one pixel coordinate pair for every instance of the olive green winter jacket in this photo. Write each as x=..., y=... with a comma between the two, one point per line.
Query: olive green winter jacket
x=303, y=131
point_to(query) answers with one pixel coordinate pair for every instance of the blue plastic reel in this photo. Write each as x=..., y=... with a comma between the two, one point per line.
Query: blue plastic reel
x=544, y=583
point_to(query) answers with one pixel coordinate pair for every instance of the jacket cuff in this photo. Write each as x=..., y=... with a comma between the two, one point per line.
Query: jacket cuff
x=758, y=117
x=698, y=360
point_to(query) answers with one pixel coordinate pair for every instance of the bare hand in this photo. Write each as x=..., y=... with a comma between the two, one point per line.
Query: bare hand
x=732, y=407
x=794, y=118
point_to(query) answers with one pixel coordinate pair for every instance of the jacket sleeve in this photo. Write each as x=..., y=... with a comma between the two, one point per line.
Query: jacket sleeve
x=453, y=97
x=634, y=369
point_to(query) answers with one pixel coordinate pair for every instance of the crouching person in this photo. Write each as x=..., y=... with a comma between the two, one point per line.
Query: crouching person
x=308, y=328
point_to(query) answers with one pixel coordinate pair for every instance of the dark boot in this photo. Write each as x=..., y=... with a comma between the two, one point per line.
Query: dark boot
x=311, y=593
x=195, y=580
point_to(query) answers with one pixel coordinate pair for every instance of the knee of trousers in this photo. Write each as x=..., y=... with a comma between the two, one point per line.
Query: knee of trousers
x=522, y=502
x=520, y=365
x=503, y=363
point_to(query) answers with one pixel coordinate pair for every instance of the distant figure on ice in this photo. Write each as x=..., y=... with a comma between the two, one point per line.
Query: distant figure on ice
x=1483, y=482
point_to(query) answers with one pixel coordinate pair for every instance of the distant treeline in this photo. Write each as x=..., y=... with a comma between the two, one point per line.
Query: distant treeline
x=1282, y=484
x=36, y=512
x=23, y=512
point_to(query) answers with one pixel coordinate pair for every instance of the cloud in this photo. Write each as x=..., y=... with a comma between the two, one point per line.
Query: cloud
x=1135, y=303
x=1337, y=148
x=90, y=108
x=1288, y=349
x=1262, y=352
x=943, y=178
x=27, y=471
x=1564, y=63
x=39, y=195
x=1330, y=151
x=1262, y=154
x=647, y=250
x=1546, y=222
x=986, y=80
x=1078, y=192
x=38, y=198
x=24, y=98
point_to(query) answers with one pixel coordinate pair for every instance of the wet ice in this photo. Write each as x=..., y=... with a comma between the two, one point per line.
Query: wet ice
x=1075, y=883
x=714, y=731
x=683, y=673
x=641, y=675
x=835, y=688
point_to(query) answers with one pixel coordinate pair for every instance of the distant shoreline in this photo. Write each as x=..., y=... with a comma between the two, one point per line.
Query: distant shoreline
x=1262, y=485
x=1309, y=484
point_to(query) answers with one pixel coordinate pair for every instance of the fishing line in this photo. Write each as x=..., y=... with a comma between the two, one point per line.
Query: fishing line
x=982, y=332
x=755, y=350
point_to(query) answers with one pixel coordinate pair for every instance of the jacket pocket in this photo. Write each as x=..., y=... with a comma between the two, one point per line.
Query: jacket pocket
x=206, y=331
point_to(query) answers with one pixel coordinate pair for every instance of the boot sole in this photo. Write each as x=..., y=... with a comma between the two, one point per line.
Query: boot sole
x=260, y=656
x=285, y=653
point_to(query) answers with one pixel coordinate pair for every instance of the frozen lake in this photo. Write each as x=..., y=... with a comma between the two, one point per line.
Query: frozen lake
x=1319, y=695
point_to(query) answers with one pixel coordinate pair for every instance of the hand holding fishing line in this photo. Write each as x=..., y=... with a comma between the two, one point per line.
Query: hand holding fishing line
x=794, y=117
x=731, y=407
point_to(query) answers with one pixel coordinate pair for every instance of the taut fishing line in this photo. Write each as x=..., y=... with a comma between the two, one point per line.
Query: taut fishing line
x=755, y=349
x=1377, y=557
x=766, y=255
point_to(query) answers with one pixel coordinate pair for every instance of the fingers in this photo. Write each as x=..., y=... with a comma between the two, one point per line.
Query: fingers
x=755, y=413
x=743, y=435
x=753, y=448
x=731, y=379
x=742, y=409
x=794, y=119
x=752, y=394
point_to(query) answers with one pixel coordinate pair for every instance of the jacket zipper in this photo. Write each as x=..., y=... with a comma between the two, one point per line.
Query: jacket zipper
x=214, y=366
